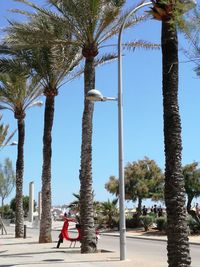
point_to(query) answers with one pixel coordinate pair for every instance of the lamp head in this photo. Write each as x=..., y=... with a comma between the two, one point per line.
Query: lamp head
x=14, y=143
x=94, y=95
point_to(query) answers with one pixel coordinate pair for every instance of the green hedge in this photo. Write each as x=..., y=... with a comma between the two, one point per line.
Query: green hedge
x=147, y=221
x=161, y=223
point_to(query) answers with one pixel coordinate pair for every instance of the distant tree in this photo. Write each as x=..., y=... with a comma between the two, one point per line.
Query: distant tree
x=191, y=174
x=7, y=212
x=143, y=179
x=7, y=181
x=25, y=205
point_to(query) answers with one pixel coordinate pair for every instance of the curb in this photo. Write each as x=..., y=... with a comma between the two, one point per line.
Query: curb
x=147, y=238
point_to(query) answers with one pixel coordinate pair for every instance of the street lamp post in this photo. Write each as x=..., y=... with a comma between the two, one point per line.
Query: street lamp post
x=120, y=138
x=95, y=95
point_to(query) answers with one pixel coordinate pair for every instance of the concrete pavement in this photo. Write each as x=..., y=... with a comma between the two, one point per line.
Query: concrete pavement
x=28, y=252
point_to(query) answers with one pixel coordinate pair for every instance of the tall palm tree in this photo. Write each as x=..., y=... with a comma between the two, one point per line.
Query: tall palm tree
x=169, y=13
x=52, y=65
x=92, y=23
x=17, y=94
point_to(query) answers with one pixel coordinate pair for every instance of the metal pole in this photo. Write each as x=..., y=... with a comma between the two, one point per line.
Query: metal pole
x=120, y=139
x=25, y=230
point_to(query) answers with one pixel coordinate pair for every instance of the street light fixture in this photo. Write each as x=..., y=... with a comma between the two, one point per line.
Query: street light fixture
x=96, y=95
x=14, y=143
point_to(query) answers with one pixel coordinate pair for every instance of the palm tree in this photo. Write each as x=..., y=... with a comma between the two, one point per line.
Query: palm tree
x=52, y=66
x=170, y=12
x=109, y=211
x=17, y=94
x=92, y=23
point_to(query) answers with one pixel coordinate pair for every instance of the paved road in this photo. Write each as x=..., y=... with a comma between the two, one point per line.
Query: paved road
x=147, y=252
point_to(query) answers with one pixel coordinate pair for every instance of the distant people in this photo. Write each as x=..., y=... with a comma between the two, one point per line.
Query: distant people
x=197, y=209
x=160, y=212
x=144, y=211
x=155, y=210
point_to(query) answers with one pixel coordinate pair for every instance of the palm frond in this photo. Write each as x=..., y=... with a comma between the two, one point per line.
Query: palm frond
x=116, y=28
x=16, y=91
x=22, y=12
x=4, y=140
x=131, y=46
x=10, y=137
x=106, y=58
x=13, y=65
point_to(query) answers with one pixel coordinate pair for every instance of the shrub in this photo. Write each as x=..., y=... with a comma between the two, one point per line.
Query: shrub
x=161, y=223
x=147, y=221
x=130, y=223
x=193, y=225
x=7, y=212
x=115, y=223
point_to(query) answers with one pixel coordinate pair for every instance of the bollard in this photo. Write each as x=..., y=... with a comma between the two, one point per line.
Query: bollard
x=24, y=231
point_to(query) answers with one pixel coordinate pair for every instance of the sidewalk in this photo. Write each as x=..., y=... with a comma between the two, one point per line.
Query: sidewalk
x=28, y=252
x=21, y=252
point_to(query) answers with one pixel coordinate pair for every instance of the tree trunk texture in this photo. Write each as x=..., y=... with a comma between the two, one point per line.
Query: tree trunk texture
x=19, y=214
x=177, y=230
x=88, y=239
x=46, y=222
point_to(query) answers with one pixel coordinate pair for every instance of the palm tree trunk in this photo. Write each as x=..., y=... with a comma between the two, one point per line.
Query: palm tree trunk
x=46, y=223
x=177, y=231
x=88, y=240
x=19, y=223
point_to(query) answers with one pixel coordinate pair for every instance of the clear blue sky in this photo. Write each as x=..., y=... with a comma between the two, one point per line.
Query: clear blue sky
x=143, y=119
